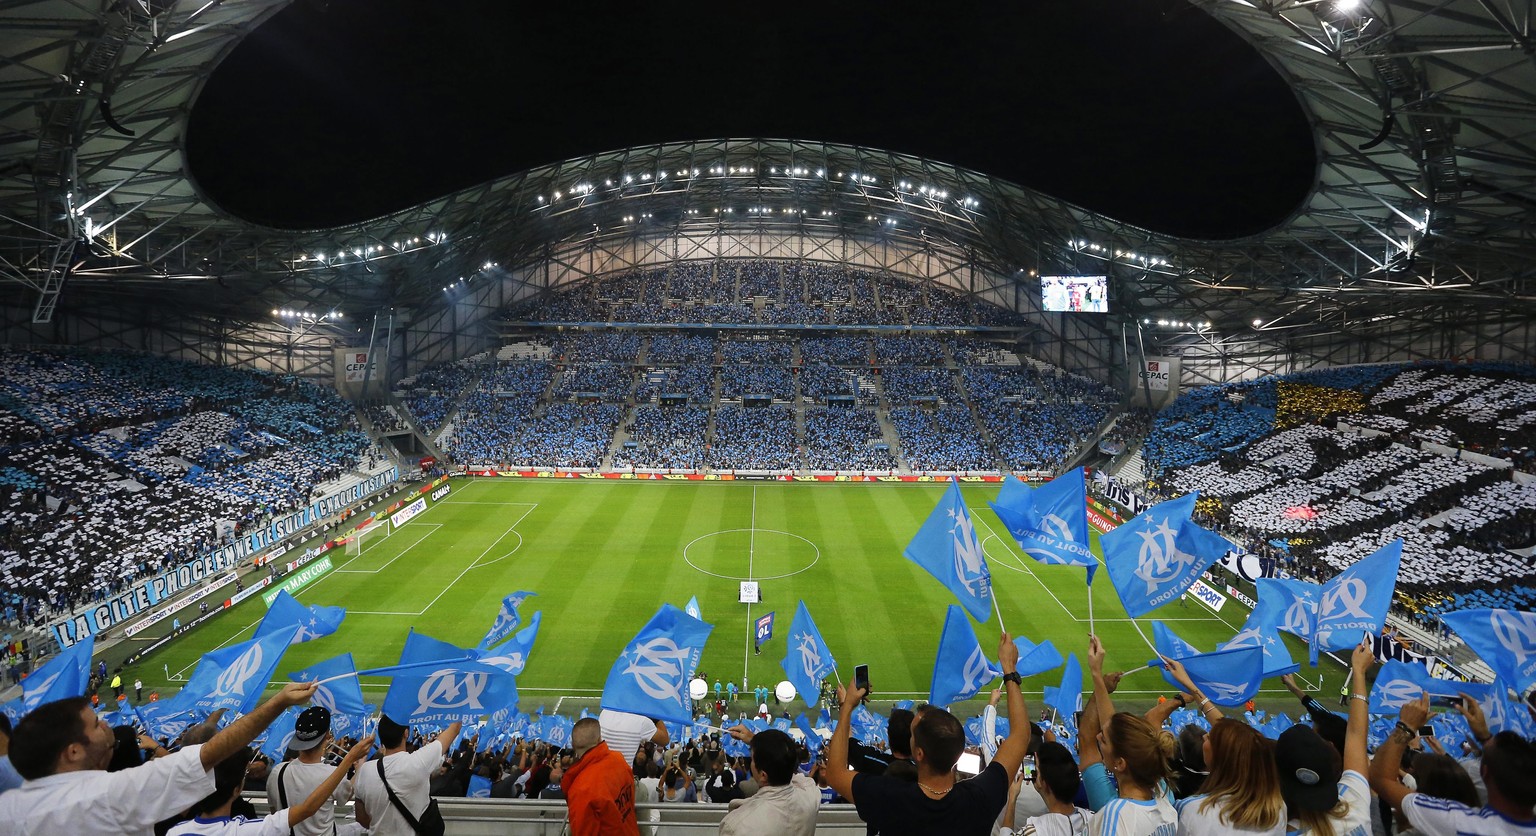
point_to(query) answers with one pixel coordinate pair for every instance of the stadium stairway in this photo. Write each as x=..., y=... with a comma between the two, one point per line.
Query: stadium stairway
x=981, y=426
x=1130, y=470
x=892, y=438
x=620, y=435
x=1091, y=444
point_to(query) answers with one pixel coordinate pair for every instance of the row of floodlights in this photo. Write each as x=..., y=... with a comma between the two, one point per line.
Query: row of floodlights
x=1199, y=325
x=583, y=189
x=289, y=313
x=1081, y=244
x=462, y=281
x=372, y=250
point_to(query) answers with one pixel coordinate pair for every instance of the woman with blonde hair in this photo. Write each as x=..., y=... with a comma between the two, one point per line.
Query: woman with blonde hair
x=1135, y=753
x=1242, y=792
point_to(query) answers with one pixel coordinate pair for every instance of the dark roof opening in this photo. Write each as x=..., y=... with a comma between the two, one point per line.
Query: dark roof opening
x=1147, y=111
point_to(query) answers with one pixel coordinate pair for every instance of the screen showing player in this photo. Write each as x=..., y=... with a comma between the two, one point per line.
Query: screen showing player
x=1075, y=294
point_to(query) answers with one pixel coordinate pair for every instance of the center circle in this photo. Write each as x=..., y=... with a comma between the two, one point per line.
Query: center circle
x=751, y=554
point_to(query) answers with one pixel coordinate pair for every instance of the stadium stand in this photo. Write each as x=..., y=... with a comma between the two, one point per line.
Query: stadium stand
x=1332, y=464
x=125, y=463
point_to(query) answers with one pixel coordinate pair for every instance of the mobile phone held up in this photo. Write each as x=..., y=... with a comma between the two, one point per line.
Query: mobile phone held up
x=861, y=679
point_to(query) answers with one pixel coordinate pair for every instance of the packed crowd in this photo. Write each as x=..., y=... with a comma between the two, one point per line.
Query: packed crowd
x=1334, y=494
x=845, y=438
x=748, y=438
x=1182, y=765
x=664, y=437
x=944, y=439
x=431, y=392
x=137, y=458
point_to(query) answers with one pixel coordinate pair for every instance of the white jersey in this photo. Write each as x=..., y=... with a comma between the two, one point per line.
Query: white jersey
x=1133, y=817
x=1432, y=816
x=1355, y=792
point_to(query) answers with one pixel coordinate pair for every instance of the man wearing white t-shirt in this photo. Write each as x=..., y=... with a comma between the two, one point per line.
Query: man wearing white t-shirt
x=292, y=782
x=409, y=775
x=1508, y=770
x=62, y=749
x=625, y=733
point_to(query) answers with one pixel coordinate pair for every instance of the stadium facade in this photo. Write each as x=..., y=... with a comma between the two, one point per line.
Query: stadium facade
x=1415, y=242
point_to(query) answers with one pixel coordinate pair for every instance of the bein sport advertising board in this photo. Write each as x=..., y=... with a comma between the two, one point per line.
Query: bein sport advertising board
x=1075, y=294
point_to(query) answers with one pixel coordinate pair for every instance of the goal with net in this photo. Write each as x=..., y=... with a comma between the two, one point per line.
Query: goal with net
x=368, y=536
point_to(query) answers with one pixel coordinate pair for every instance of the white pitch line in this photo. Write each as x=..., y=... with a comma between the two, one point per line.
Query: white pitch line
x=222, y=643
x=435, y=527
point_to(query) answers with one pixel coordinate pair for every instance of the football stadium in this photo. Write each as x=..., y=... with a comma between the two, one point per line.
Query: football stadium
x=771, y=466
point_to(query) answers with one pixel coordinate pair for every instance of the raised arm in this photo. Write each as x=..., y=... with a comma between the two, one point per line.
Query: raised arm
x=236, y=735
x=839, y=777
x=1159, y=713
x=1207, y=708
x=1385, y=781
x=1010, y=754
x=1359, y=698
x=447, y=736
x=311, y=805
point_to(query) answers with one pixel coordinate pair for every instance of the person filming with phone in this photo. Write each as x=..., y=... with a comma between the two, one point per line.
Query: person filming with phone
x=937, y=802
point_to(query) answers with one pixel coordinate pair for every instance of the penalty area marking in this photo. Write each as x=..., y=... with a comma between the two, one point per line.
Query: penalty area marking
x=474, y=564
x=752, y=533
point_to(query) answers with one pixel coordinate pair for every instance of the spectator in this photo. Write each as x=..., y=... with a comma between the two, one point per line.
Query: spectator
x=936, y=801
x=62, y=749
x=1325, y=793
x=1508, y=771
x=1057, y=781
x=627, y=733
x=599, y=787
x=212, y=814
x=10, y=779
x=297, y=778
x=785, y=802
x=1133, y=751
x=1242, y=793
x=402, y=773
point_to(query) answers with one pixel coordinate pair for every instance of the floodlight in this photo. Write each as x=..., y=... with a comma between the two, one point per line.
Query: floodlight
x=1257, y=323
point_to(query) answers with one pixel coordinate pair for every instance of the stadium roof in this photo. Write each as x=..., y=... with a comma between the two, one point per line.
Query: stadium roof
x=1421, y=218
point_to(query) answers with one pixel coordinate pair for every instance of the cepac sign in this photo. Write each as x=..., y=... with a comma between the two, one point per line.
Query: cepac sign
x=1155, y=375
x=356, y=365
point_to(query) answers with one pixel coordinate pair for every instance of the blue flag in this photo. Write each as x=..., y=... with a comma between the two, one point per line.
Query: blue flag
x=439, y=683
x=313, y=621
x=165, y=719
x=1277, y=656
x=479, y=786
x=962, y=667
x=1050, y=523
x=1397, y=684
x=693, y=608
x=1356, y=601
x=340, y=696
x=512, y=655
x=65, y=675
x=1261, y=631
x=1227, y=677
x=1505, y=639
x=1288, y=605
x=1036, y=658
x=947, y=547
x=651, y=676
x=506, y=620
x=1155, y=557
x=1503, y=713
x=807, y=660
x=280, y=734
x=812, y=739
x=1068, y=698
x=234, y=677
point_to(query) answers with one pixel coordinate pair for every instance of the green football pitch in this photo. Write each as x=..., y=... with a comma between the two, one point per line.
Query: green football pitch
x=602, y=556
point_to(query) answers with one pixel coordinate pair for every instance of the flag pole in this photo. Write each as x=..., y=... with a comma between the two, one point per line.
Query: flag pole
x=1090, y=604
x=1136, y=670
x=999, y=610
x=1150, y=646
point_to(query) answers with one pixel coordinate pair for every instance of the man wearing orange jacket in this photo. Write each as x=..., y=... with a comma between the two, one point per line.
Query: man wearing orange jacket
x=599, y=787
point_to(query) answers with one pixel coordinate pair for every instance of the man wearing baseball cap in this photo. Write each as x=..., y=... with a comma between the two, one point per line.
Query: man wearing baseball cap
x=293, y=781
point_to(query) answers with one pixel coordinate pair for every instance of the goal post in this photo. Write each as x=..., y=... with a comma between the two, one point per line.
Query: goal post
x=368, y=536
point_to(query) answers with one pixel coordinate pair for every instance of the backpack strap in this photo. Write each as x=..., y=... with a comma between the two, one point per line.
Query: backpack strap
x=395, y=800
